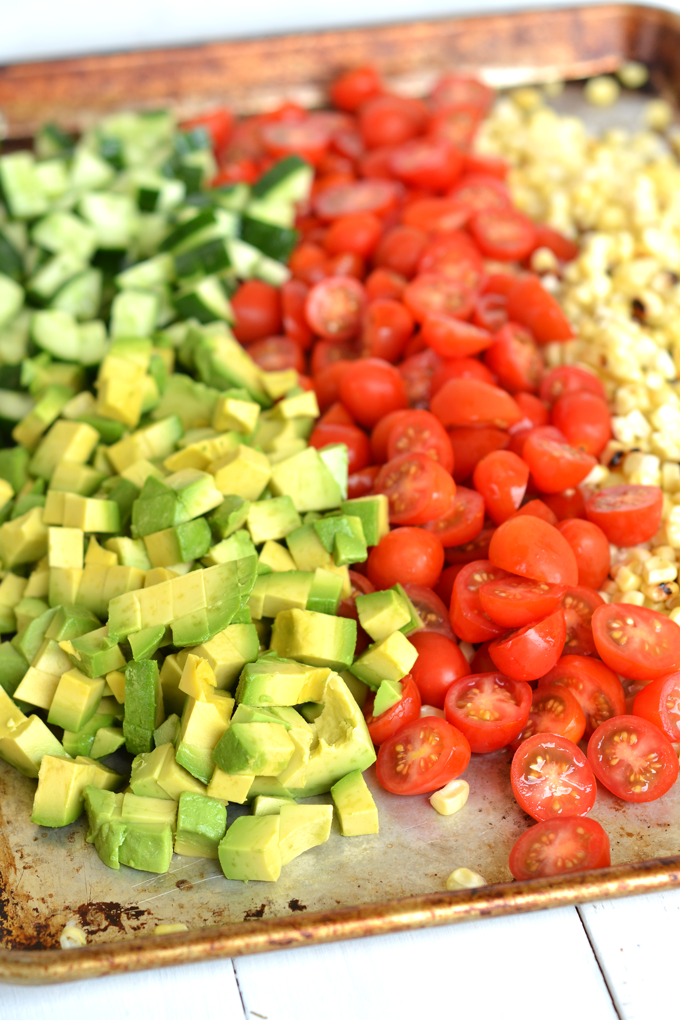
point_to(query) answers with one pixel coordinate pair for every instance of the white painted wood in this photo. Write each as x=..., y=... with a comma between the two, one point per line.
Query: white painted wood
x=202, y=990
x=506, y=967
x=636, y=942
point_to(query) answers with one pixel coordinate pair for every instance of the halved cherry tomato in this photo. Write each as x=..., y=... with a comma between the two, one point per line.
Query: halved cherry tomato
x=491, y=312
x=515, y=359
x=257, y=311
x=436, y=294
x=293, y=297
x=551, y=778
x=391, y=120
x=628, y=514
x=384, y=283
x=347, y=608
x=455, y=256
x=517, y=601
x=457, y=125
x=555, y=466
x=406, y=555
x=537, y=508
x=579, y=604
x=439, y=663
x=354, y=87
x=334, y=307
x=417, y=371
x=570, y=379
x=470, y=445
x=453, y=90
x=558, y=244
x=374, y=196
x=471, y=402
x=597, y=688
x=401, y=249
x=354, y=439
x=336, y=415
x=532, y=306
x=591, y=550
x=418, y=489
x=452, y=338
x=346, y=264
x=358, y=232
x=371, y=388
x=462, y=522
x=361, y=482
x=534, y=410
x=489, y=708
x=554, y=709
x=659, y=703
x=307, y=138
x=528, y=653
x=560, y=846
x=381, y=434
x=420, y=432
x=429, y=163
x=501, y=478
x=382, y=727
x=476, y=549
x=503, y=234
x=566, y=505
x=422, y=756
x=444, y=586
x=638, y=643
x=277, y=353
x=438, y=216
x=584, y=420
x=460, y=368
x=532, y=548
x=434, y=615
x=388, y=326
x=483, y=163
x=481, y=192
x=469, y=620
x=633, y=759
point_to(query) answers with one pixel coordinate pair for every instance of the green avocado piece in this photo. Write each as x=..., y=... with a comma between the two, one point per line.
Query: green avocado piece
x=250, y=849
x=253, y=749
x=29, y=640
x=248, y=714
x=96, y=653
x=146, y=847
x=75, y=700
x=143, y=704
x=228, y=517
x=108, y=841
x=357, y=813
x=382, y=612
x=373, y=512
x=179, y=544
x=81, y=741
x=390, y=659
x=13, y=666
x=286, y=589
x=71, y=622
x=274, y=681
x=307, y=549
x=328, y=527
x=107, y=740
x=301, y=827
x=100, y=806
x=146, y=641
x=264, y=805
x=201, y=825
x=27, y=744
x=168, y=731
x=308, y=481
x=415, y=623
x=271, y=519
x=314, y=638
x=156, y=508
x=389, y=694
x=61, y=785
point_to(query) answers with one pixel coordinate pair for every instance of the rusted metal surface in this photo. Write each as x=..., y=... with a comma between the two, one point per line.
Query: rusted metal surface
x=347, y=888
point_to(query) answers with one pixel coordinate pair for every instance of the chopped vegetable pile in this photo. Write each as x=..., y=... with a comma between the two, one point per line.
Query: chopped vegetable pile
x=336, y=431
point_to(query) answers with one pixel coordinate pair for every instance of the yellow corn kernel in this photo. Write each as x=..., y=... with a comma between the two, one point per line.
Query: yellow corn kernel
x=463, y=878
x=674, y=615
x=632, y=598
x=72, y=937
x=666, y=552
x=632, y=74
x=658, y=114
x=655, y=593
x=670, y=477
x=656, y=570
x=169, y=929
x=451, y=797
x=626, y=580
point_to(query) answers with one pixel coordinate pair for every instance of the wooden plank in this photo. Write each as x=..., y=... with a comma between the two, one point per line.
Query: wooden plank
x=635, y=942
x=476, y=969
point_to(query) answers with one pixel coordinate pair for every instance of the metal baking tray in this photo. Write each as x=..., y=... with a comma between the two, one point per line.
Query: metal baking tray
x=347, y=888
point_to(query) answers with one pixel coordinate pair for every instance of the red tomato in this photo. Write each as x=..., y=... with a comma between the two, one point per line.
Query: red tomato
x=517, y=601
x=551, y=778
x=566, y=505
x=257, y=311
x=636, y=642
x=488, y=708
x=454, y=90
x=532, y=306
x=462, y=522
x=382, y=727
x=579, y=604
x=327, y=383
x=458, y=126
x=476, y=549
x=460, y=368
x=375, y=163
x=470, y=445
x=422, y=756
x=451, y=338
x=308, y=263
x=293, y=297
x=336, y=415
x=444, y=586
x=334, y=307
x=531, y=548
x=558, y=244
x=381, y=434
x=400, y=250
x=554, y=465
x=358, y=233
x=439, y=663
x=277, y=353
x=361, y=482
x=354, y=439
x=529, y=653
x=429, y=163
x=436, y=294
x=659, y=703
x=218, y=123
x=388, y=326
x=501, y=478
x=439, y=216
x=597, y=689
x=627, y=514
x=417, y=371
x=480, y=193
x=554, y=709
x=374, y=196
x=469, y=620
x=307, y=139
x=406, y=555
x=370, y=389
x=434, y=615
x=514, y=358
x=354, y=87
x=391, y=120
x=537, y=508
x=420, y=432
x=533, y=409
x=471, y=402
x=633, y=759
x=418, y=489
x=455, y=256
x=503, y=234
x=570, y=379
x=584, y=420
x=560, y=846
x=591, y=550
x=491, y=312
x=479, y=163
x=384, y=283
x=481, y=661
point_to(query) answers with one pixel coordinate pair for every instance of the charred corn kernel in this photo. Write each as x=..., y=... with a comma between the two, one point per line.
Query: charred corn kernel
x=431, y=710
x=656, y=593
x=169, y=929
x=611, y=588
x=463, y=878
x=602, y=91
x=632, y=74
x=657, y=570
x=72, y=937
x=597, y=477
x=631, y=598
x=451, y=797
x=658, y=114
x=626, y=580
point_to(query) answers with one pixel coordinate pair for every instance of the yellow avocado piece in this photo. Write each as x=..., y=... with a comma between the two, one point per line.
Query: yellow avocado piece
x=37, y=687
x=244, y=473
x=170, y=676
x=75, y=700
x=116, y=682
x=24, y=539
x=239, y=415
x=66, y=441
x=149, y=809
x=250, y=849
x=229, y=788
x=303, y=826
x=228, y=653
x=10, y=714
x=197, y=677
x=102, y=557
x=357, y=813
x=276, y=556
x=65, y=547
x=27, y=743
x=61, y=785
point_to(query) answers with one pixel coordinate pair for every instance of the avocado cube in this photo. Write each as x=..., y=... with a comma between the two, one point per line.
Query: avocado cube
x=388, y=695
x=415, y=623
x=202, y=726
x=276, y=557
x=155, y=509
x=303, y=738
x=65, y=547
x=269, y=786
x=228, y=652
x=390, y=659
x=248, y=714
x=88, y=514
x=37, y=687
x=381, y=613
x=274, y=681
x=108, y=841
x=238, y=546
x=75, y=700
x=78, y=478
x=357, y=813
x=178, y=544
x=272, y=518
x=264, y=805
x=307, y=549
x=199, y=448
x=244, y=472
x=303, y=826
x=27, y=743
x=157, y=774
x=125, y=615
x=308, y=481
x=254, y=749
x=229, y=516
x=13, y=666
x=325, y=592
x=197, y=678
x=146, y=846
x=168, y=731
x=95, y=653
x=233, y=411
x=100, y=806
x=197, y=493
x=10, y=713
x=358, y=689
x=65, y=441
x=146, y=641
x=228, y=788
x=201, y=825
x=349, y=549
x=71, y=622
x=173, y=698
x=315, y=638
x=143, y=705
x=250, y=849
x=14, y=467
x=61, y=785
x=80, y=742
x=130, y=552
x=373, y=512
x=29, y=640
x=107, y=740
x=328, y=527
x=24, y=539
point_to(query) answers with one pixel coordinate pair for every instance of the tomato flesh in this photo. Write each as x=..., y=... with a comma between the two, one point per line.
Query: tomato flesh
x=422, y=756
x=560, y=846
x=627, y=514
x=468, y=618
x=532, y=548
x=633, y=759
x=489, y=708
x=439, y=663
x=406, y=555
x=528, y=653
x=554, y=709
x=638, y=643
x=579, y=604
x=518, y=601
x=382, y=727
x=418, y=489
x=551, y=778
x=597, y=688
x=462, y=522
x=659, y=703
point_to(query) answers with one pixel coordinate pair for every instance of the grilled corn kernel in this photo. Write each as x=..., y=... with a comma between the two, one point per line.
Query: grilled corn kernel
x=527, y=98
x=656, y=593
x=169, y=929
x=463, y=878
x=451, y=797
x=631, y=598
x=657, y=570
x=626, y=580
x=431, y=710
x=666, y=552
x=72, y=937
x=632, y=74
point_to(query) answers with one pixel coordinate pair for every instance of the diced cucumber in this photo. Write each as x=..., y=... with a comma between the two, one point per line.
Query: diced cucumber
x=205, y=301
x=81, y=296
x=272, y=240
x=63, y=231
x=53, y=274
x=289, y=180
x=11, y=299
x=21, y=187
x=114, y=218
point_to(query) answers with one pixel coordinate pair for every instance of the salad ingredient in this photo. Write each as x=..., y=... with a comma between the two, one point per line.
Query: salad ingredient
x=633, y=758
x=560, y=846
x=551, y=777
x=422, y=756
x=451, y=798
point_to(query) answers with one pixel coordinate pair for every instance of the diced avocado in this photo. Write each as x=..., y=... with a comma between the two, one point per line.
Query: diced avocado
x=254, y=749
x=273, y=593
x=130, y=552
x=168, y=731
x=157, y=774
x=201, y=825
x=27, y=743
x=228, y=652
x=228, y=788
x=264, y=805
x=357, y=813
x=248, y=714
x=79, y=742
x=75, y=700
x=29, y=640
x=302, y=736
x=381, y=613
x=101, y=806
x=358, y=688
x=203, y=724
x=235, y=410
x=271, y=519
x=66, y=441
x=274, y=681
x=170, y=676
x=311, y=711
x=108, y=841
x=250, y=849
x=146, y=846
x=373, y=512
x=107, y=739
x=71, y=622
x=223, y=363
x=308, y=481
x=95, y=653
x=24, y=539
x=197, y=678
x=307, y=549
x=61, y=785
x=415, y=623
x=325, y=592
x=115, y=681
x=229, y=516
x=28, y=609
x=37, y=687
x=349, y=548
x=196, y=491
x=303, y=826
x=245, y=472
x=315, y=638
x=268, y=786
x=389, y=694
x=10, y=713
x=12, y=667
x=238, y=546
x=153, y=810
x=276, y=557
x=146, y=641
x=143, y=705
x=179, y=544
x=390, y=659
